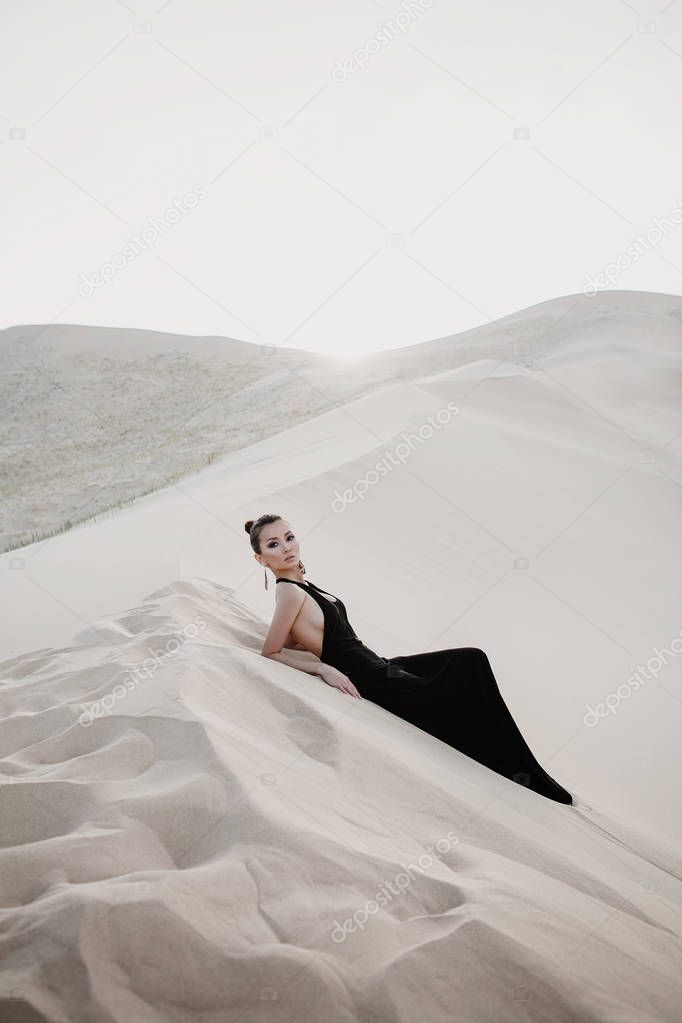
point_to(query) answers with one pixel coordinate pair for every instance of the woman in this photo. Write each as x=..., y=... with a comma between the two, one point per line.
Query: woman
x=452, y=694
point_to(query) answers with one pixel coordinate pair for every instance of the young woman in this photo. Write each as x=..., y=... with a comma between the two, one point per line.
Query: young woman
x=452, y=694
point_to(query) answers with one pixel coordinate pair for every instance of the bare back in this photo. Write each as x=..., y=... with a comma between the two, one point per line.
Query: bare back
x=307, y=630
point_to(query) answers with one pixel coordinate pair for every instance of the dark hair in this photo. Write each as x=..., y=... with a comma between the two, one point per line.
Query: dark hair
x=253, y=528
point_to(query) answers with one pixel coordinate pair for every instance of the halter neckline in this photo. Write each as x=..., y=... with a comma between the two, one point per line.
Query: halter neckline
x=333, y=599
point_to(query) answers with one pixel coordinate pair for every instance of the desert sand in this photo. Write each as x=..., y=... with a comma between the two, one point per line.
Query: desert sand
x=191, y=832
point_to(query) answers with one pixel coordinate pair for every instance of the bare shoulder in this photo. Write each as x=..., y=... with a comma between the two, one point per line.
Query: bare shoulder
x=289, y=596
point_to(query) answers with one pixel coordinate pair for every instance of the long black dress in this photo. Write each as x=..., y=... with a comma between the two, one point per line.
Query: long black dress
x=452, y=694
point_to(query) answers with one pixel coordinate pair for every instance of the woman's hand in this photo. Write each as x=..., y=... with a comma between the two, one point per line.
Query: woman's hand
x=333, y=677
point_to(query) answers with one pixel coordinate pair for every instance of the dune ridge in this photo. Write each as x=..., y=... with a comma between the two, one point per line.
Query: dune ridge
x=227, y=812
x=191, y=831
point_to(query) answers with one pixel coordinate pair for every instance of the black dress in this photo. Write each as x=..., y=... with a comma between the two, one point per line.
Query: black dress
x=452, y=694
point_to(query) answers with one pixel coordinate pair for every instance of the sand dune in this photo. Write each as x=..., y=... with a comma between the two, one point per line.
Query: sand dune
x=193, y=832
x=228, y=833
x=95, y=417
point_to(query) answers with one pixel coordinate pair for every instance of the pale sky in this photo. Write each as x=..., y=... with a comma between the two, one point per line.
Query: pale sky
x=486, y=157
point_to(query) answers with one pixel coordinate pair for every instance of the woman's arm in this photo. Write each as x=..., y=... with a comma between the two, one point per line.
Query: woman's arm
x=287, y=606
x=288, y=602
x=304, y=660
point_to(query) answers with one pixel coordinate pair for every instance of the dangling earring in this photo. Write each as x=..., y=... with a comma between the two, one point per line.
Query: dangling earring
x=265, y=572
x=301, y=566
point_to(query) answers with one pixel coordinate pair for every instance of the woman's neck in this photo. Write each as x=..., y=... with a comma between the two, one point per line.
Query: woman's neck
x=295, y=575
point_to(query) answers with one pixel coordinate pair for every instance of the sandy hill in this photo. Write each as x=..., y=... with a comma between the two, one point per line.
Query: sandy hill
x=94, y=417
x=193, y=832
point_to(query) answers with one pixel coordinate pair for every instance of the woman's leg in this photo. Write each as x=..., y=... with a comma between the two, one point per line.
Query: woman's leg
x=462, y=705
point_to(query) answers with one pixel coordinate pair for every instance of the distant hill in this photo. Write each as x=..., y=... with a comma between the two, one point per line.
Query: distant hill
x=94, y=417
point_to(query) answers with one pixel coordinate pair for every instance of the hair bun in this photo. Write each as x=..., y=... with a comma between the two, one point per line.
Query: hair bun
x=248, y=524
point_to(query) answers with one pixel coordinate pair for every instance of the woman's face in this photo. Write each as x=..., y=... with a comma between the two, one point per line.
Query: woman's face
x=279, y=548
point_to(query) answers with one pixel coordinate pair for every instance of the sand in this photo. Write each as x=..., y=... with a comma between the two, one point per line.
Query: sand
x=191, y=832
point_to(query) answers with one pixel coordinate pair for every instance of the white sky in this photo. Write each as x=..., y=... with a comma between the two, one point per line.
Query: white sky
x=391, y=207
